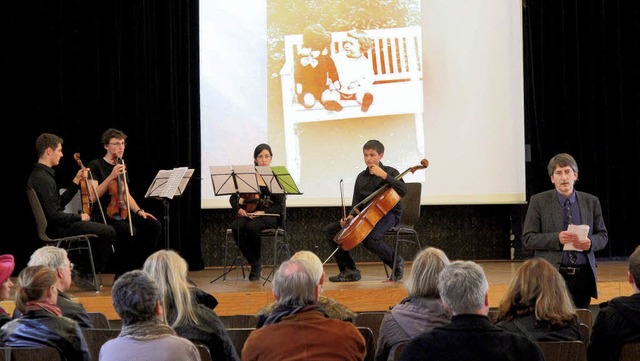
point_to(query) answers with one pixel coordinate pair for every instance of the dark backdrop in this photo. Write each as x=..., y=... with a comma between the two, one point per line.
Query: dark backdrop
x=76, y=68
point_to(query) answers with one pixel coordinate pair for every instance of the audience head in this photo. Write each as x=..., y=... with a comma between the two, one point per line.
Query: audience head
x=634, y=269
x=169, y=270
x=35, y=283
x=463, y=288
x=7, y=264
x=317, y=270
x=538, y=288
x=294, y=283
x=423, y=280
x=136, y=298
x=57, y=259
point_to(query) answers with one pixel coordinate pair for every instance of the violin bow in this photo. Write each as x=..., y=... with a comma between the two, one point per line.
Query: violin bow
x=95, y=193
x=126, y=189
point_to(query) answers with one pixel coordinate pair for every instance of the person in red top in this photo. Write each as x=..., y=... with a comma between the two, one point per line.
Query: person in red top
x=298, y=328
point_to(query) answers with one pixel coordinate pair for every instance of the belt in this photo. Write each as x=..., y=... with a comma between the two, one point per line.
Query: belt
x=568, y=270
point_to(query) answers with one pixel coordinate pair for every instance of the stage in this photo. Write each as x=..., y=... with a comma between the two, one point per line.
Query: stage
x=372, y=293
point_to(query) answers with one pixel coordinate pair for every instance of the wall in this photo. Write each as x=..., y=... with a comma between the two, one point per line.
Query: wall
x=463, y=232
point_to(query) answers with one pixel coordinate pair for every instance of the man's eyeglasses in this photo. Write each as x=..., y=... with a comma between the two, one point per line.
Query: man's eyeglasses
x=118, y=144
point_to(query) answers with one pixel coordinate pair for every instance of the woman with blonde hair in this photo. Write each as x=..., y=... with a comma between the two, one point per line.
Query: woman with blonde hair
x=537, y=304
x=42, y=323
x=421, y=311
x=182, y=312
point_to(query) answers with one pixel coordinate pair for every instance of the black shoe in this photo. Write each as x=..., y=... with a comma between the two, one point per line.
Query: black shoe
x=254, y=275
x=84, y=281
x=348, y=275
x=399, y=271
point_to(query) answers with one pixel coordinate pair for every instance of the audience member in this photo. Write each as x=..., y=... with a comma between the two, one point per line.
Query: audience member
x=546, y=229
x=422, y=310
x=298, y=328
x=537, y=304
x=7, y=264
x=618, y=321
x=332, y=308
x=464, y=288
x=56, y=258
x=144, y=335
x=42, y=323
x=181, y=310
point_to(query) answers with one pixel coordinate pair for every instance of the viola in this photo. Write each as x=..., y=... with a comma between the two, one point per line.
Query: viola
x=87, y=205
x=382, y=201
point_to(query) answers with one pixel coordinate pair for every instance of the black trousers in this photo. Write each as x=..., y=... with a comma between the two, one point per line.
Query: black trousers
x=580, y=282
x=373, y=242
x=101, y=247
x=246, y=234
x=132, y=251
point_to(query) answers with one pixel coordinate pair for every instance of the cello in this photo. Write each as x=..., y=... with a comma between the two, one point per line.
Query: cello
x=85, y=189
x=118, y=207
x=382, y=201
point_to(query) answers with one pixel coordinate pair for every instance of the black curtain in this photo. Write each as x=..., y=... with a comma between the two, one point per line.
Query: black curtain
x=582, y=71
x=76, y=68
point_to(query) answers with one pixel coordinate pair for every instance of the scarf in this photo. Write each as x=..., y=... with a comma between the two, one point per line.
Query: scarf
x=146, y=330
x=287, y=310
x=43, y=305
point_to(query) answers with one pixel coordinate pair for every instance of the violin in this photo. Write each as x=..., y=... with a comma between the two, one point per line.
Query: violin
x=249, y=201
x=118, y=207
x=384, y=199
x=87, y=205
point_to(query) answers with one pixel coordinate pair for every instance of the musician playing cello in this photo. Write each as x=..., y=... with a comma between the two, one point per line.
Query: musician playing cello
x=368, y=181
x=138, y=231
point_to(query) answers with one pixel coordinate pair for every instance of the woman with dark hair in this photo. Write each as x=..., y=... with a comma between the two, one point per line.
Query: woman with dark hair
x=253, y=214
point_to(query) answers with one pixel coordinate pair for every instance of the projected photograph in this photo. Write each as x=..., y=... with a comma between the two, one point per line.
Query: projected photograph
x=317, y=79
x=343, y=60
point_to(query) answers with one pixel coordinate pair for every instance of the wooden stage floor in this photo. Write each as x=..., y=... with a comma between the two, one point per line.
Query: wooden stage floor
x=373, y=293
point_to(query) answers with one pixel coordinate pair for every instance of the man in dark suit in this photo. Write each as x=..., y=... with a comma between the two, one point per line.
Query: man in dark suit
x=545, y=229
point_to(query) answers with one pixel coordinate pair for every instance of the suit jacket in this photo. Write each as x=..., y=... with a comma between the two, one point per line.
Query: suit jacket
x=543, y=222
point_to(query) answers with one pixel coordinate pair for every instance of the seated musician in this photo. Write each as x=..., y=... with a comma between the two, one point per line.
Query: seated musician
x=250, y=210
x=138, y=232
x=375, y=176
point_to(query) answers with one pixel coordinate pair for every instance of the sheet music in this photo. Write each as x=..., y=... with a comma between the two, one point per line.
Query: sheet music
x=234, y=179
x=285, y=179
x=169, y=183
x=270, y=179
x=582, y=230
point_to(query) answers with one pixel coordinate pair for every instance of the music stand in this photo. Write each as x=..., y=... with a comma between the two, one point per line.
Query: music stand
x=234, y=179
x=279, y=181
x=166, y=185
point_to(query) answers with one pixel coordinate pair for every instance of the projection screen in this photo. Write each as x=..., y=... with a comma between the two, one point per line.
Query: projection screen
x=463, y=111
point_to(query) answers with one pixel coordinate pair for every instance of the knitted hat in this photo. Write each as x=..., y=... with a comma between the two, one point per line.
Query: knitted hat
x=6, y=267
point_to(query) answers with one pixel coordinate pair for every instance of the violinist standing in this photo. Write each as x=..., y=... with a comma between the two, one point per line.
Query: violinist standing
x=61, y=224
x=113, y=177
x=368, y=181
x=250, y=220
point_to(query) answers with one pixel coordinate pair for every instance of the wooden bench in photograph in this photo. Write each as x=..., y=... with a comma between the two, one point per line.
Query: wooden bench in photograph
x=396, y=59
